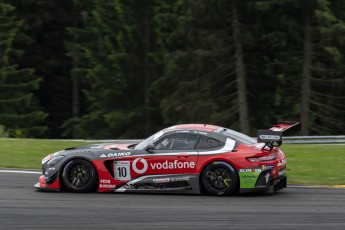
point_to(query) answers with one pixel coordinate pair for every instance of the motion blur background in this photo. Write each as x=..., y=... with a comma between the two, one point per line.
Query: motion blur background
x=125, y=69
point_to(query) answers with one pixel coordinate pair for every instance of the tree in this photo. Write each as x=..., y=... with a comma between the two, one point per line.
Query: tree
x=204, y=62
x=307, y=66
x=306, y=84
x=240, y=71
x=18, y=108
x=117, y=68
x=327, y=111
x=116, y=62
x=44, y=23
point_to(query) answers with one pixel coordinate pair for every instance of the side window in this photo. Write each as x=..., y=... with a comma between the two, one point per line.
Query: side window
x=208, y=143
x=177, y=142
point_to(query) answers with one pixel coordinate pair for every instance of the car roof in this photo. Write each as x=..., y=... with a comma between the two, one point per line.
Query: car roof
x=237, y=136
x=201, y=127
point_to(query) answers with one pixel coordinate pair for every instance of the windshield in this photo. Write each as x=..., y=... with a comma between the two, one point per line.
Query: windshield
x=142, y=145
x=240, y=137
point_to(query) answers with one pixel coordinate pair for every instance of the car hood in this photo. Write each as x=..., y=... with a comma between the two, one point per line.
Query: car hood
x=112, y=146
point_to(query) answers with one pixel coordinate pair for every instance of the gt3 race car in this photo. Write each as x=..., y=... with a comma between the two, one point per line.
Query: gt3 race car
x=190, y=158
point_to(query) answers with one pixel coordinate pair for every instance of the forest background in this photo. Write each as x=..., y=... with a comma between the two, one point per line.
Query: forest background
x=127, y=68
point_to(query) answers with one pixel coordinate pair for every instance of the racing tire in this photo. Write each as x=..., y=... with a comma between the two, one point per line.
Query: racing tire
x=79, y=175
x=219, y=178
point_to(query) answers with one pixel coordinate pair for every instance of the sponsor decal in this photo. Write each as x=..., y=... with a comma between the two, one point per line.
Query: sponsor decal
x=250, y=170
x=249, y=176
x=173, y=165
x=160, y=165
x=121, y=154
x=270, y=166
x=107, y=186
x=104, y=181
x=270, y=137
x=161, y=180
x=248, y=181
x=143, y=162
x=186, y=178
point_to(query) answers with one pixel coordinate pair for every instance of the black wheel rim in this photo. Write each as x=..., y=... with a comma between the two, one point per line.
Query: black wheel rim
x=218, y=179
x=78, y=176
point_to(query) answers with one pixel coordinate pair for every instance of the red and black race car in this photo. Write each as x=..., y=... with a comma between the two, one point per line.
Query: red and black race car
x=190, y=158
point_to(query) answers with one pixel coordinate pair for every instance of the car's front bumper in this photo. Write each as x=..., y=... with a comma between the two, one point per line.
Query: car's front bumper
x=42, y=185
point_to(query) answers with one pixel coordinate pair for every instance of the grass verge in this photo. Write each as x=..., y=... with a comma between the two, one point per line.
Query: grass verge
x=317, y=164
x=307, y=164
x=28, y=153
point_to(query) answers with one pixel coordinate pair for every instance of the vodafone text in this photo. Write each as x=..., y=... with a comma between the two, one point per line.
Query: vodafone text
x=160, y=165
x=173, y=165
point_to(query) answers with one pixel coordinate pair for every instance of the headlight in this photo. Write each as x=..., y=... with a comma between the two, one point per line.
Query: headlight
x=47, y=158
x=55, y=160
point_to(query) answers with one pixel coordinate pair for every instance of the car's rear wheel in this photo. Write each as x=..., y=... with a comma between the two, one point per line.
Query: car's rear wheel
x=79, y=175
x=220, y=178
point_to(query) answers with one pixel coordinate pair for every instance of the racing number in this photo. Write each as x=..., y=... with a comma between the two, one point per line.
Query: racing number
x=122, y=170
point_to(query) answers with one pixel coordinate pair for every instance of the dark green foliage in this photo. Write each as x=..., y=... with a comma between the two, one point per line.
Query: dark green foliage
x=18, y=108
x=195, y=37
x=124, y=69
x=116, y=46
x=44, y=23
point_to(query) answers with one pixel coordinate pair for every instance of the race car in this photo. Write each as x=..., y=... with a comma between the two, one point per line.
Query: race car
x=188, y=158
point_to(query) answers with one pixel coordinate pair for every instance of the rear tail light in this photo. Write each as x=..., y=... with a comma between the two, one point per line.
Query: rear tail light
x=262, y=158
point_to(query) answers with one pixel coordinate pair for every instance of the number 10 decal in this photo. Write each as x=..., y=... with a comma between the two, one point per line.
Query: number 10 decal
x=122, y=170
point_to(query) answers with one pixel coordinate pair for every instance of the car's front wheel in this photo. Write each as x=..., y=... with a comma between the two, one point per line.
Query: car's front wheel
x=79, y=175
x=220, y=178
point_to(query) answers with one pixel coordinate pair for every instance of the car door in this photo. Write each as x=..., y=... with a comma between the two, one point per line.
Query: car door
x=172, y=153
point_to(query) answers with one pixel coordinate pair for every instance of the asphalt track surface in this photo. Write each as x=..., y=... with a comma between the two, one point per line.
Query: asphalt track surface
x=294, y=208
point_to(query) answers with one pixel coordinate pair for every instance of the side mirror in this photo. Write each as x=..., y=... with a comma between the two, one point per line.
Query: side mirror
x=150, y=147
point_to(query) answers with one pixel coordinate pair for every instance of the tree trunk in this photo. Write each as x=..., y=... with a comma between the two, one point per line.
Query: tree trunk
x=75, y=97
x=240, y=72
x=306, y=73
x=75, y=80
x=146, y=69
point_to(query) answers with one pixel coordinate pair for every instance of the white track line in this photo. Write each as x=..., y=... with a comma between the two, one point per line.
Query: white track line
x=20, y=171
x=316, y=186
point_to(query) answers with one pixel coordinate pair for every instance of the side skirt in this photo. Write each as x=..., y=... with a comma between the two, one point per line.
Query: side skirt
x=170, y=183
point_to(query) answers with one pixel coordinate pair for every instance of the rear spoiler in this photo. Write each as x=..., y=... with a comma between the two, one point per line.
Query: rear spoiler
x=273, y=137
x=287, y=126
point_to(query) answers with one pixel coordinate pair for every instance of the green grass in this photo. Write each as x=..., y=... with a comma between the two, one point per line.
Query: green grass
x=316, y=164
x=28, y=153
x=307, y=164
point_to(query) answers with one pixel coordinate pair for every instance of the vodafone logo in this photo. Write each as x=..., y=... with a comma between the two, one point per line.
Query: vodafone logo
x=142, y=167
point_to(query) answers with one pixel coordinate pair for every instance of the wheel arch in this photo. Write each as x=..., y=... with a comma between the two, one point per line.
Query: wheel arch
x=216, y=161
x=63, y=165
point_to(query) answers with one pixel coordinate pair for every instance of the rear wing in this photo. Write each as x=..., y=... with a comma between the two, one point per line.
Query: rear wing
x=273, y=137
x=287, y=126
